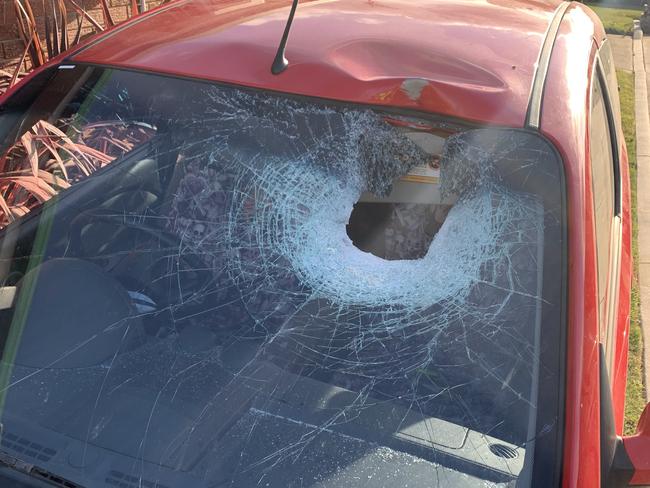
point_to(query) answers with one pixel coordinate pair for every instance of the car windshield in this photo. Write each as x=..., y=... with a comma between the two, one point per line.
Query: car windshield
x=211, y=286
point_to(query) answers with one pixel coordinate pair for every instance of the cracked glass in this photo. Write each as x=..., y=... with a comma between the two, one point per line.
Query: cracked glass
x=210, y=286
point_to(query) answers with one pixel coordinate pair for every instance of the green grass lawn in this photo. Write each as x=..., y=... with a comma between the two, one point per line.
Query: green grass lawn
x=616, y=20
x=635, y=395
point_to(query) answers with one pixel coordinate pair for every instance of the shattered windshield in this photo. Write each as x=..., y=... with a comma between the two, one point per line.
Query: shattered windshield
x=208, y=286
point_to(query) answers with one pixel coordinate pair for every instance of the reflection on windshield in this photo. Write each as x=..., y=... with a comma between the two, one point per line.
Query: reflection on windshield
x=46, y=160
x=259, y=291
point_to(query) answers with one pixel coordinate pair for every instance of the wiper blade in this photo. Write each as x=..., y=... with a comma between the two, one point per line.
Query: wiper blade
x=16, y=464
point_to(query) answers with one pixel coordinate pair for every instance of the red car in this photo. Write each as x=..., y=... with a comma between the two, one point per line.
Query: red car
x=382, y=243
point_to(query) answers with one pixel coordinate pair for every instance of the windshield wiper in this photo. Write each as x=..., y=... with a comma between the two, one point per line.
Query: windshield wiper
x=34, y=471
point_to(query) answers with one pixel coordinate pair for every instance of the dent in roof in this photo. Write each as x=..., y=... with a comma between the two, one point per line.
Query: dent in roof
x=476, y=57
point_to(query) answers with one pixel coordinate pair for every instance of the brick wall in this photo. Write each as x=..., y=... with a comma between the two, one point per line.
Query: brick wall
x=11, y=45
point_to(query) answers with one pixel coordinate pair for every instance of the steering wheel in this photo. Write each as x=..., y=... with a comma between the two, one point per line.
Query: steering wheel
x=122, y=253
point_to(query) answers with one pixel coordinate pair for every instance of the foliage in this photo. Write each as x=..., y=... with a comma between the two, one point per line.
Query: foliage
x=58, y=35
x=635, y=392
x=616, y=20
x=46, y=160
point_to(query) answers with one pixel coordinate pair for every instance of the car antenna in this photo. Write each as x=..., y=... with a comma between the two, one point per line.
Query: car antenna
x=280, y=63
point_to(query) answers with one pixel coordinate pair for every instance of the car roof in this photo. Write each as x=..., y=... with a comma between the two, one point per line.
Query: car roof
x=470, y=59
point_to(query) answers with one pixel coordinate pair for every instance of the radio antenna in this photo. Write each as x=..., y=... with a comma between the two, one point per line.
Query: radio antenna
x=280, y=63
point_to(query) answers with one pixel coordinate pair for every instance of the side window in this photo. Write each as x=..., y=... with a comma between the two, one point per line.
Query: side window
x=605, y=183
x=66, y=139
x=607, y=62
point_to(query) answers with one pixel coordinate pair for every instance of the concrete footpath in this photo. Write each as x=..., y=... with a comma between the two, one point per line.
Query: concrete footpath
x=622, y=50
x=641, y=65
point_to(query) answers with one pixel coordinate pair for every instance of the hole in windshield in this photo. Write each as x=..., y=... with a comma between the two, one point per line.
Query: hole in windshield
x=402, y=224
x=395, y=230
x=278, y=292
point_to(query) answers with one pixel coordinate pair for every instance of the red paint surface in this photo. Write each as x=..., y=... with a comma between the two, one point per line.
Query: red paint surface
x=619, y=378
x=619, y=366
x=565, y=121
x=638, y=449
x=363, y=52
x=473, y=61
